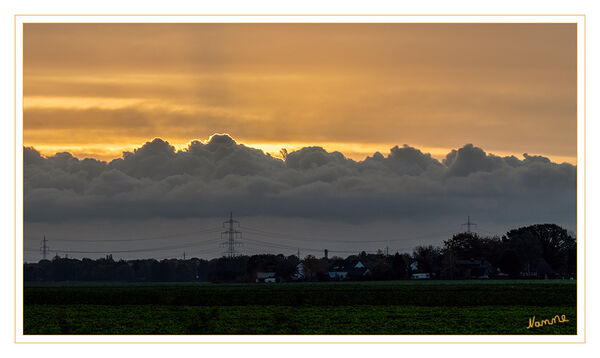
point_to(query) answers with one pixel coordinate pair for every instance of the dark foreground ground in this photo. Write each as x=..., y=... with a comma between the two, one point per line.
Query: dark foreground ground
x=399, y=307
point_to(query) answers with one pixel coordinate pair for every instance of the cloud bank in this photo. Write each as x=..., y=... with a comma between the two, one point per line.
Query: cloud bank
x=209, y=179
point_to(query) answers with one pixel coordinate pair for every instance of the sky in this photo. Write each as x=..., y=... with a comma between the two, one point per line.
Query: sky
x=141, y=138
x=97, y=90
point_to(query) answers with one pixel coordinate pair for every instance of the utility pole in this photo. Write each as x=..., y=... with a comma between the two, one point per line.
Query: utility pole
x=468, y=224
x=44, y=248
x=184, y=256
x=231, y=234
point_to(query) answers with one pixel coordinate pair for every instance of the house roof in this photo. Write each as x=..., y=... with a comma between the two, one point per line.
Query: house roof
x=359, y=265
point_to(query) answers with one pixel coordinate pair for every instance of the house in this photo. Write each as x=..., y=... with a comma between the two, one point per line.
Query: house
x=266, y=277
x=414, y=266
x=359, y=270
x=299, y=275
x=359, y=265
x=355, y=270
x=338, y=273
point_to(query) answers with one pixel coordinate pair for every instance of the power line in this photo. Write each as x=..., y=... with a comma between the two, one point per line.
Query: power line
x=319, y=240
x=233, y=237
x=278, y=245
x=205, y=231
x=172, y=247
x=289, y=247
x=264, y=246
x=213, y=240
x=193, y=253
x=403, y=248
x=282, y=245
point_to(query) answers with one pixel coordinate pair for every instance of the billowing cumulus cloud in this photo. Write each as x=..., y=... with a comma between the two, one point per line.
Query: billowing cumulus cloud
x=207, y=179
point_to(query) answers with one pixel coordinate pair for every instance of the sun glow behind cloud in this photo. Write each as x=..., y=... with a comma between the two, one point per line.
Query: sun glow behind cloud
x=355, y=151
x=98, y=90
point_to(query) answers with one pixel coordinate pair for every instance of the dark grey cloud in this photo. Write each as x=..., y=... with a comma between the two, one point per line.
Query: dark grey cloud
x=208, y=179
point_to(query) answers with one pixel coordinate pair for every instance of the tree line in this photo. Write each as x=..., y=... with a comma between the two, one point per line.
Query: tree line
x=536, y=251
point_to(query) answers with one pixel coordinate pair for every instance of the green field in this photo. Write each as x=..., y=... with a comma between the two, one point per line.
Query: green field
x=399, y=307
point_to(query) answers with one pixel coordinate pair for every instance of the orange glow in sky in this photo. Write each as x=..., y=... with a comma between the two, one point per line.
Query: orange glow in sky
x=99, y=89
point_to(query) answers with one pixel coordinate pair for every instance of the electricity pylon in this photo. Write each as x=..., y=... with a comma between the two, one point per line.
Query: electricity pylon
x=231, y=236
x=44, y=248
x=468, y=224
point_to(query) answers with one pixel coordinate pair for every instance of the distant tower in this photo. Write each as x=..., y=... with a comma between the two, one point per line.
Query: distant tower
x=326, y=252
x=468, y=224
x=232, y=235
x=44, y=248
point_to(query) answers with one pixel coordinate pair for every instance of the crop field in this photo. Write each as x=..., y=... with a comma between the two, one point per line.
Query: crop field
x=391, y=308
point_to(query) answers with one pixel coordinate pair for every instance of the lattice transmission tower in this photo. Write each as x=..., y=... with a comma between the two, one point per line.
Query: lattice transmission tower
x=44, y=248
x=468, y=224
x=231, y=237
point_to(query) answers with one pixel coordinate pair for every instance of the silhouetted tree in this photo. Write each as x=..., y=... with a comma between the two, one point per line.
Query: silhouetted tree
x=542, y=241
x=123, y=272
x=468, y=245
x=380, y=267
x=510, y=263
x=428, y=258
x=449, y=269
x=399, y=267
x=314, y=268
